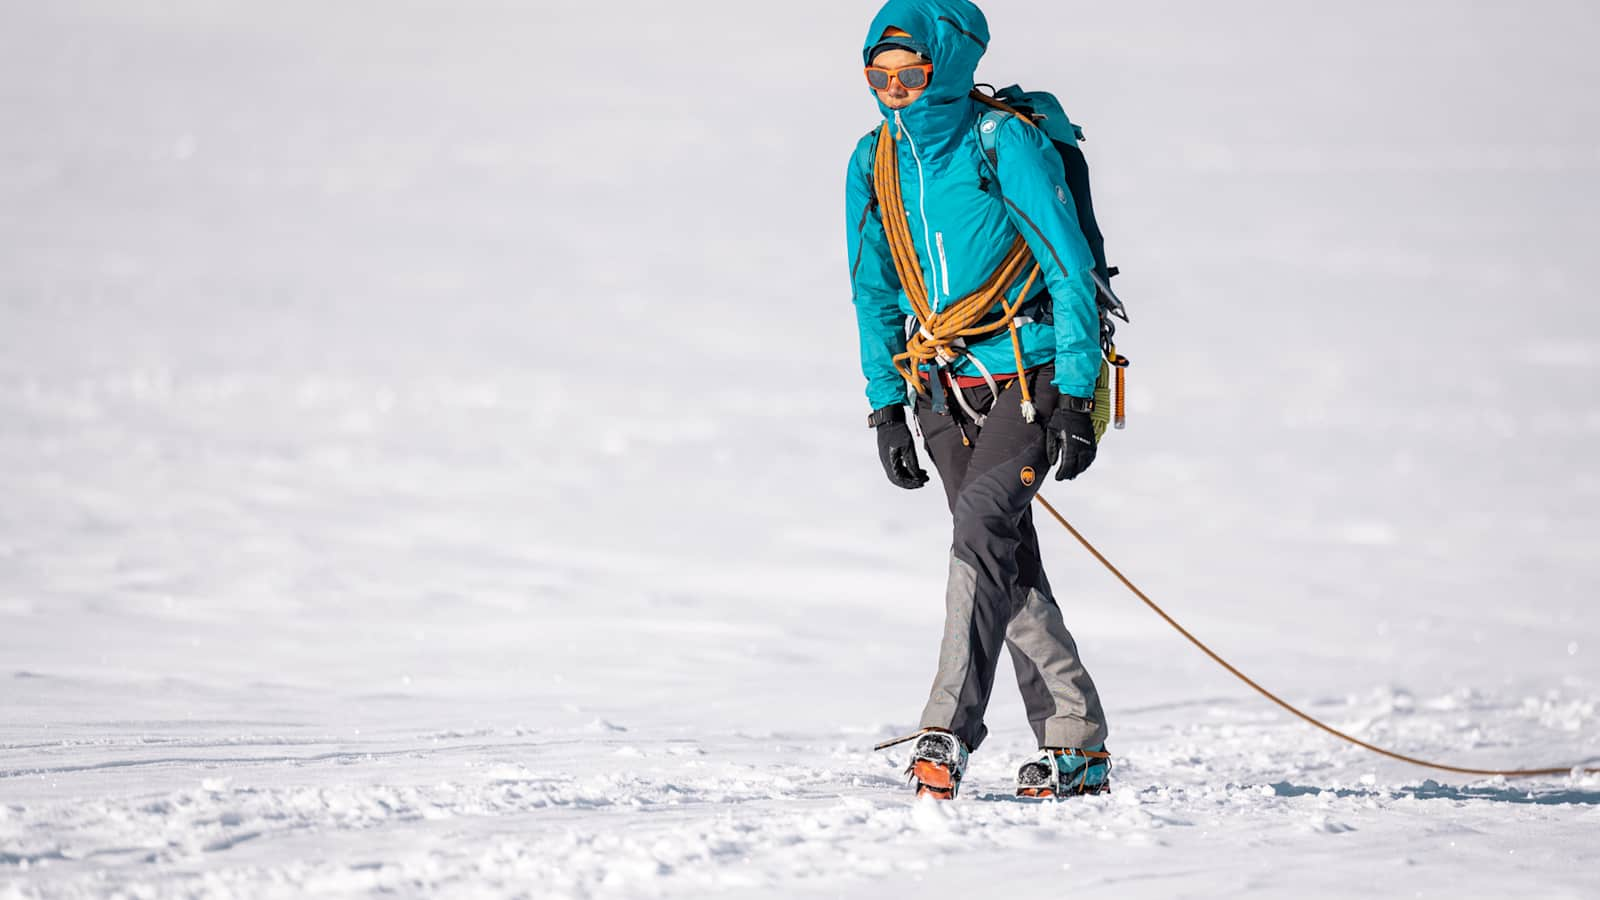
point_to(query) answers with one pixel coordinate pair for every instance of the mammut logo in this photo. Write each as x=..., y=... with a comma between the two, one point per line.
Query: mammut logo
x=988, y=126
x=1027, y=476
x=1061, y=193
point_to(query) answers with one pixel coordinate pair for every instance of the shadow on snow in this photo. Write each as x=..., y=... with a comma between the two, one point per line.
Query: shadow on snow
x=1433, y=790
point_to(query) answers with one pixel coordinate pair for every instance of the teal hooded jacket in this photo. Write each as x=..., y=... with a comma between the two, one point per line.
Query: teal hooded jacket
x=961, y=222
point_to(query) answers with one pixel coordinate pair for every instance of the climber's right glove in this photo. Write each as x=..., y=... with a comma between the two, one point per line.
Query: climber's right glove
x=896, y=448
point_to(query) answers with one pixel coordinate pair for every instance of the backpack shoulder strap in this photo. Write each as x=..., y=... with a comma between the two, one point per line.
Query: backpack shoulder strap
x=988, y=136
x=988, y=126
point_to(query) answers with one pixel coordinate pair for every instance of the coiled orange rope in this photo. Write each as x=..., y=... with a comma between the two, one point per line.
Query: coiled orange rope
x=935, y=340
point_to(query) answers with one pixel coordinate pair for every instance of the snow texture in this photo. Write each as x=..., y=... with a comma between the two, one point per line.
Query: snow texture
x=431, y=459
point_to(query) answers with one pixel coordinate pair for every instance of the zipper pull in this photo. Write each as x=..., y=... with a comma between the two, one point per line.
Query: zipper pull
x=899, y=126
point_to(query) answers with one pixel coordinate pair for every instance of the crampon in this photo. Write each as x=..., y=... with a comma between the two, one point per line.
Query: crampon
x=1066, y=772
x=937, y=764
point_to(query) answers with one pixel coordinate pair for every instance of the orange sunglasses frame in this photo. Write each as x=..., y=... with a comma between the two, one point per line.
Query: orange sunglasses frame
x=894, y=75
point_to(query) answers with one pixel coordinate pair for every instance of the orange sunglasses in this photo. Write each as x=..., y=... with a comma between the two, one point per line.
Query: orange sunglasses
x=912, y=78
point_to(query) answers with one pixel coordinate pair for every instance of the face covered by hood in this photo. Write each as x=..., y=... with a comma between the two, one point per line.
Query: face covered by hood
x=956, y=33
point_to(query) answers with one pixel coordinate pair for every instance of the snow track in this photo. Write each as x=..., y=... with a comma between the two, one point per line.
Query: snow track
x=597, y=811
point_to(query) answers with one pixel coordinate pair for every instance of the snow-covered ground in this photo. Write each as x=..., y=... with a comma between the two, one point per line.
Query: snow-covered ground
x=431, y=456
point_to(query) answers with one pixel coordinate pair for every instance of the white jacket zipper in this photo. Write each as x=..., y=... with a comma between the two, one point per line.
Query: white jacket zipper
x=922, y=205
x=944, y=267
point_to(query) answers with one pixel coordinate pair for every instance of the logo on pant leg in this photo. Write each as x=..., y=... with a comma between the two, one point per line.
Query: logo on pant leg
x=1027, y=476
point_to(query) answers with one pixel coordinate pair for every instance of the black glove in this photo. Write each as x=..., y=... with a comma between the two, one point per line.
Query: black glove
x=897, y=450
x=1070, y=435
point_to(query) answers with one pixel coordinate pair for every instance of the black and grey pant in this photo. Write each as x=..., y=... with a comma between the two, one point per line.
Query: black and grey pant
x=998, y=592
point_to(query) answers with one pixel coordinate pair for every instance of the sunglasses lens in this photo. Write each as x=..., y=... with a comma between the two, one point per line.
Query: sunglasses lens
x=878, y=78
x=914, y=79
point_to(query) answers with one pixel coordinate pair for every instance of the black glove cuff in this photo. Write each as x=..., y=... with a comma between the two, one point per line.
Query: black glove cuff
x=885, y=415
x=1077, y=404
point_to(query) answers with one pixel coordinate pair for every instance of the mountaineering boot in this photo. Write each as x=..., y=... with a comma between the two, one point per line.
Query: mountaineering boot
x=1062, y=772
x=937, y=765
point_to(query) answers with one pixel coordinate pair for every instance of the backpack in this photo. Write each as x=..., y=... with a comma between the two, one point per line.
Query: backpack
x=1044, y=111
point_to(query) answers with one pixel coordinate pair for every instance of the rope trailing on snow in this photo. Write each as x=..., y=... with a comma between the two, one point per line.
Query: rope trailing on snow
x=1508, y=773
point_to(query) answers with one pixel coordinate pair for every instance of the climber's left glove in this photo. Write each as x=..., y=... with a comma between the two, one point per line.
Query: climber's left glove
x=1070, y=436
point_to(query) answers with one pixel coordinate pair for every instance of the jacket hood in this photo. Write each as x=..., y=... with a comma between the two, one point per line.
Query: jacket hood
x=958, y=34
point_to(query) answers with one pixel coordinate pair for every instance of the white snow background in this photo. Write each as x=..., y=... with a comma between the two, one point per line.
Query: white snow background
x=432, y=460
